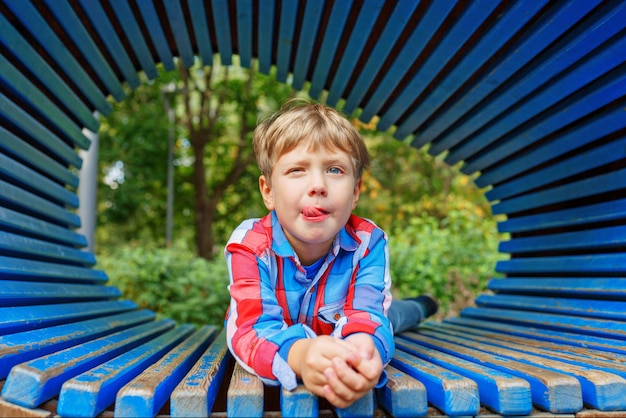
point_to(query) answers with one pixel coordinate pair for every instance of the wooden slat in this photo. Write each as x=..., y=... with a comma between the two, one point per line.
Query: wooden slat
x=299, y=402
x=203, y=40
x=346, y=68
x=589, y=326
x=74, y=28
x=265, y=35
x=577, y=307
x=592, y=239
x=25, y=318
x=450, y=392
x=25, y=346
x=608, y=345
x=16, y=268
x=30, y=384
x=11, y=220
x=61, y=55
x=613, y=264
x=503, y=29
x=426, y=28
x=245, y=394
x=179, y=31
x=587, y=287
x=31, y=248
x=13, y=293
x=402, y=396
x=575, y=138
x=501, y=392
x=602, y=360
x=394, y=27
x=131, y=29
x=543, y=120
x=18, y=198
x=544, y=96
x=328, y=48
x=286, y=30
x=13, y=41
x=221, y=21
x=155, y=31
x=113, y=43
x=551, y=391
x=600, y=389
x=22, y=87
x=22, y=151
x=587, y=187
x=310, y=26
x=362, y=407
x=550, y=27
x=244, y=32
x=147, y=393
x=582, y=215
x=473, y=17
x=93, y=391
x=196, y=393
x=36, y=130
x=27, y=178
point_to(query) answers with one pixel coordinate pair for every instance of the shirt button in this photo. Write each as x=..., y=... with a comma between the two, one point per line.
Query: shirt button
x=337, y=316
x=312, y=289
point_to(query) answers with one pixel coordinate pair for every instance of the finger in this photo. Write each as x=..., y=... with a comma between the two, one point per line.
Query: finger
x=349, y=377
x=339, y=393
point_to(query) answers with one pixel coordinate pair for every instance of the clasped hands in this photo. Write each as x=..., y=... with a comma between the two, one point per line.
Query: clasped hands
x=340, y=370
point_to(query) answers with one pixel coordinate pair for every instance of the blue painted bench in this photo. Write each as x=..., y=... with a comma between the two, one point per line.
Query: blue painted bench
x=529, y=95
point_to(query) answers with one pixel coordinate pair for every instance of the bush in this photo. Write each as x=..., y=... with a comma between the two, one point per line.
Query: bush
x=173, y=282
x=452, y=258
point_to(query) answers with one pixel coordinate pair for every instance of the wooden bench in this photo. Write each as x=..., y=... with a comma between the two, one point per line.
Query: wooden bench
x=529, y=95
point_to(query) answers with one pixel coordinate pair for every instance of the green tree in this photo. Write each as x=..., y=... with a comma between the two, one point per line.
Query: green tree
x=217, y=108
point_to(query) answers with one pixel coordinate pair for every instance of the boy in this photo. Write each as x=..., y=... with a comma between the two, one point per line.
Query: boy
x=310, y=285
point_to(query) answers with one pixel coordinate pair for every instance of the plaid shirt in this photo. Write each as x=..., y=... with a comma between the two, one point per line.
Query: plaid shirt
x=274, y=303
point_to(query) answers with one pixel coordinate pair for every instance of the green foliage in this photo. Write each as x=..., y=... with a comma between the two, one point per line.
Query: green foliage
x=173, y=282
x=451, y=258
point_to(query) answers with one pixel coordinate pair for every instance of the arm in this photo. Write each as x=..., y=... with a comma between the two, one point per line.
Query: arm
x=369, y=296
x=257, y=334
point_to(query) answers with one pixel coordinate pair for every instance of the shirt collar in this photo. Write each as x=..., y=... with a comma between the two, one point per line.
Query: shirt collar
x=346, y=239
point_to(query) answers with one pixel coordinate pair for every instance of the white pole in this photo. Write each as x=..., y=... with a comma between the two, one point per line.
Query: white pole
x=87, y=190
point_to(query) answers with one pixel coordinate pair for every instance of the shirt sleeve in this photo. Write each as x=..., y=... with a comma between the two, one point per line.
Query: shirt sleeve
x=369, y=295
x=257, y=334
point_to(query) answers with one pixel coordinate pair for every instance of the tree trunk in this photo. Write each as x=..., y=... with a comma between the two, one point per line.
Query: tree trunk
x=204, y=210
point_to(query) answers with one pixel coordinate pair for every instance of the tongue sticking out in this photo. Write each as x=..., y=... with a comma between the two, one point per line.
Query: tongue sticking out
x=312, y=212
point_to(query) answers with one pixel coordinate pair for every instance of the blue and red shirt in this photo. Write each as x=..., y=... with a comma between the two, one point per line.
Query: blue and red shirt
x=275, y=300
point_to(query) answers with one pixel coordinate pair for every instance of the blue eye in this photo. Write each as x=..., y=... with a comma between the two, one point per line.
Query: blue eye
x=334, y=170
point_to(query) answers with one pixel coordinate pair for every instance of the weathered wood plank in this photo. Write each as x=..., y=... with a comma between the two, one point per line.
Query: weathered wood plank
x=600, y=389
x=24, y=346
x=551, y=391
x=31, y=383
x=448, y=391
x=196, y=393
x=25, y=318
x=501, y=392
x=147, y=393
x=92, y=392
x=403, y=395
x=299, y=402
x=245, y=394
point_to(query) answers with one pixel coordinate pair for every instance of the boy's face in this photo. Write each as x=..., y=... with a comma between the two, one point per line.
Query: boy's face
x=313, y=193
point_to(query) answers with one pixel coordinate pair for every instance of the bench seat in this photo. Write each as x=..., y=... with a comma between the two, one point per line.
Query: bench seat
x=87, y=359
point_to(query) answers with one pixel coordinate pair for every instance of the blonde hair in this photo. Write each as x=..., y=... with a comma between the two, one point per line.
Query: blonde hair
x=301, y=121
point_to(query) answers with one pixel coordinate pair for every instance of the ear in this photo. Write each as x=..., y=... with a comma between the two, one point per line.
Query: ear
x=266, y=192
x=357, y=192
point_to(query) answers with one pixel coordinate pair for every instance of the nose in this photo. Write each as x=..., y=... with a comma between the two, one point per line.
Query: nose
x=317, y=185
